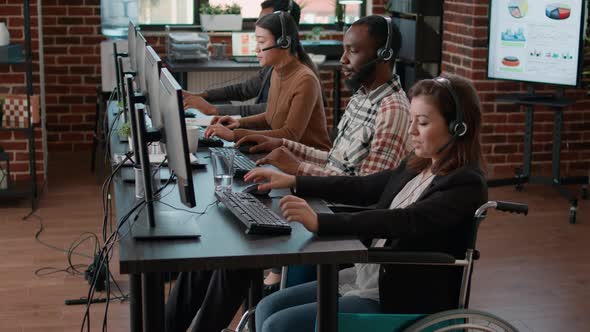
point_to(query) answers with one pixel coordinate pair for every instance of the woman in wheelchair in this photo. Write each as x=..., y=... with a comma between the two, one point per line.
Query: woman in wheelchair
x=426, y=204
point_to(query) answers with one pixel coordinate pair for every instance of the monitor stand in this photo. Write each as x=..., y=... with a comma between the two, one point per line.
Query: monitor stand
x=171, y=225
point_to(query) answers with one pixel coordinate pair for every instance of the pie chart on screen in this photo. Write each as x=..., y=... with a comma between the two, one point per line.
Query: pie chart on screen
x=518, y=8
x=557, y=11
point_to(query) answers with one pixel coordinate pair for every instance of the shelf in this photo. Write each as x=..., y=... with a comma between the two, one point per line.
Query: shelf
x=12, y=54
x=15, y=129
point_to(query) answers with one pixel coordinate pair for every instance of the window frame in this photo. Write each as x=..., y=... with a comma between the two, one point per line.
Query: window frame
x=248, y=24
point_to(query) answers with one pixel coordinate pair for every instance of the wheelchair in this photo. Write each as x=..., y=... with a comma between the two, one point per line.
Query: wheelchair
x=460, y=319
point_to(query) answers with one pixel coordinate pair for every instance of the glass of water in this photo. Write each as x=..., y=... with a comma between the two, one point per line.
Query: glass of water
x=223, y=169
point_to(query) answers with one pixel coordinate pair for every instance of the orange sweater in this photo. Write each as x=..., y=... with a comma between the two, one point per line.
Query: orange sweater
x=294, y=110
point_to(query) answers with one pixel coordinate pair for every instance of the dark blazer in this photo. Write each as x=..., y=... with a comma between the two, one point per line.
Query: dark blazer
x=440, y=220
x=256, y=86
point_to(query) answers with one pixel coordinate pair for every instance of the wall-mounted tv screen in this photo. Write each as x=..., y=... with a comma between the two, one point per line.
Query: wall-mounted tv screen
x=536, y=41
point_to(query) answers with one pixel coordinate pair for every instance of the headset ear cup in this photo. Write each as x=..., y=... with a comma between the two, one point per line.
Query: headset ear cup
x=286, y=42
x=457, y=128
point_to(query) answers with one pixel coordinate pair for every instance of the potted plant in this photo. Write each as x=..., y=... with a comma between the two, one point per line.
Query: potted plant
x=124, y=132
x=221, y=18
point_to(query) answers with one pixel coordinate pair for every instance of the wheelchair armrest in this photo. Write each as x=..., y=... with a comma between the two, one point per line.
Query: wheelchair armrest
x=337, y=208
x=387, y=256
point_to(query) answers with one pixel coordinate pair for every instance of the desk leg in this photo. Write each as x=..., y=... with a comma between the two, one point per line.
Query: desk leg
x=327, y=316
x=254, y=297
x=135, y=302
x=153, y=302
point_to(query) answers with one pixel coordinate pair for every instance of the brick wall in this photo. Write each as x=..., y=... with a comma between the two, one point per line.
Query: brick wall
x=464, y=52
x=72, y=60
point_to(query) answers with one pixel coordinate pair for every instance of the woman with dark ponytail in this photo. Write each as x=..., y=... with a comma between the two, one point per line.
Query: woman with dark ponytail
x=294, y=111
x=295, y=107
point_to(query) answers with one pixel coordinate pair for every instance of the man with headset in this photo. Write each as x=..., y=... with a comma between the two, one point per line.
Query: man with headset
x=372, y=135
x=255, y=87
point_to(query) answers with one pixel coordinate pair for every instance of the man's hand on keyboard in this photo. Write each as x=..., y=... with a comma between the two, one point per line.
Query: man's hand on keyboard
x=297, y=209
x=263, y=143
x=272, y=179
x=282, y=159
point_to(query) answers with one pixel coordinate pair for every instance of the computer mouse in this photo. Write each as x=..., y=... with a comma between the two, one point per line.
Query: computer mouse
x=253, y=189
x=245, y=147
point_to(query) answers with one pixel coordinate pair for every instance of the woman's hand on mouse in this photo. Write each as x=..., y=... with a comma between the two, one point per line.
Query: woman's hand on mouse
x=297, y=209
x=269, y=178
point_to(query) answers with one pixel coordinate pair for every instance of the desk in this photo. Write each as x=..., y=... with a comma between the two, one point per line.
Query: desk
x=223, y=244
x=228, y=65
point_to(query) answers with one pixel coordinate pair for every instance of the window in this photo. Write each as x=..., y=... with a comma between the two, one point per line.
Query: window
x=250, y=8
x=324, y=12
x=166, y=11
x=313, y=12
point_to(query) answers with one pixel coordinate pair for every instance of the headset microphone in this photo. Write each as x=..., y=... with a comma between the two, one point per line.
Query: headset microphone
x=270, y=47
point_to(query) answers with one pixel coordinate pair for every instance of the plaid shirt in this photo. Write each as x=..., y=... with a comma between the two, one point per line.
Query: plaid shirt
x=372, y=135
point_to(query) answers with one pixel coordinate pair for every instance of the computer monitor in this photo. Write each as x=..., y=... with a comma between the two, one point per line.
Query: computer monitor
x=174, y=136
x=153, y=65
x=131, y=31
x=176, y=224
x=140, y=50
x=130, y=110
x=536, y=41
x=243, y=44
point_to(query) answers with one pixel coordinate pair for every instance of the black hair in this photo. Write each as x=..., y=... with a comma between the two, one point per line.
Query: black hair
x=272, y=23
x=377, y=29
x=283, y=6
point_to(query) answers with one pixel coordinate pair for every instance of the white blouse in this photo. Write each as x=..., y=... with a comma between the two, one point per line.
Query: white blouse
x=362, y=280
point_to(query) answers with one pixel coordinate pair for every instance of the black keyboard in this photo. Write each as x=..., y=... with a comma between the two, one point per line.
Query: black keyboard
x=258, y=218
x=242, y=164
x=210, y=141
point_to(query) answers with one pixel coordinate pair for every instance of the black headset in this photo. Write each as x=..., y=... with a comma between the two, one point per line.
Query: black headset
x=284, y=41
x=385, y=53
x=457, y=127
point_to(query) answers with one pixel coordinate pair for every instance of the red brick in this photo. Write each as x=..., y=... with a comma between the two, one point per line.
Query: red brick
x=10, y=11
x=80, y=11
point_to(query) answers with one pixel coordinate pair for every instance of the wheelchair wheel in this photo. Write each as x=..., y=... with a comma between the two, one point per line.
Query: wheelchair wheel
x=461, y=320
